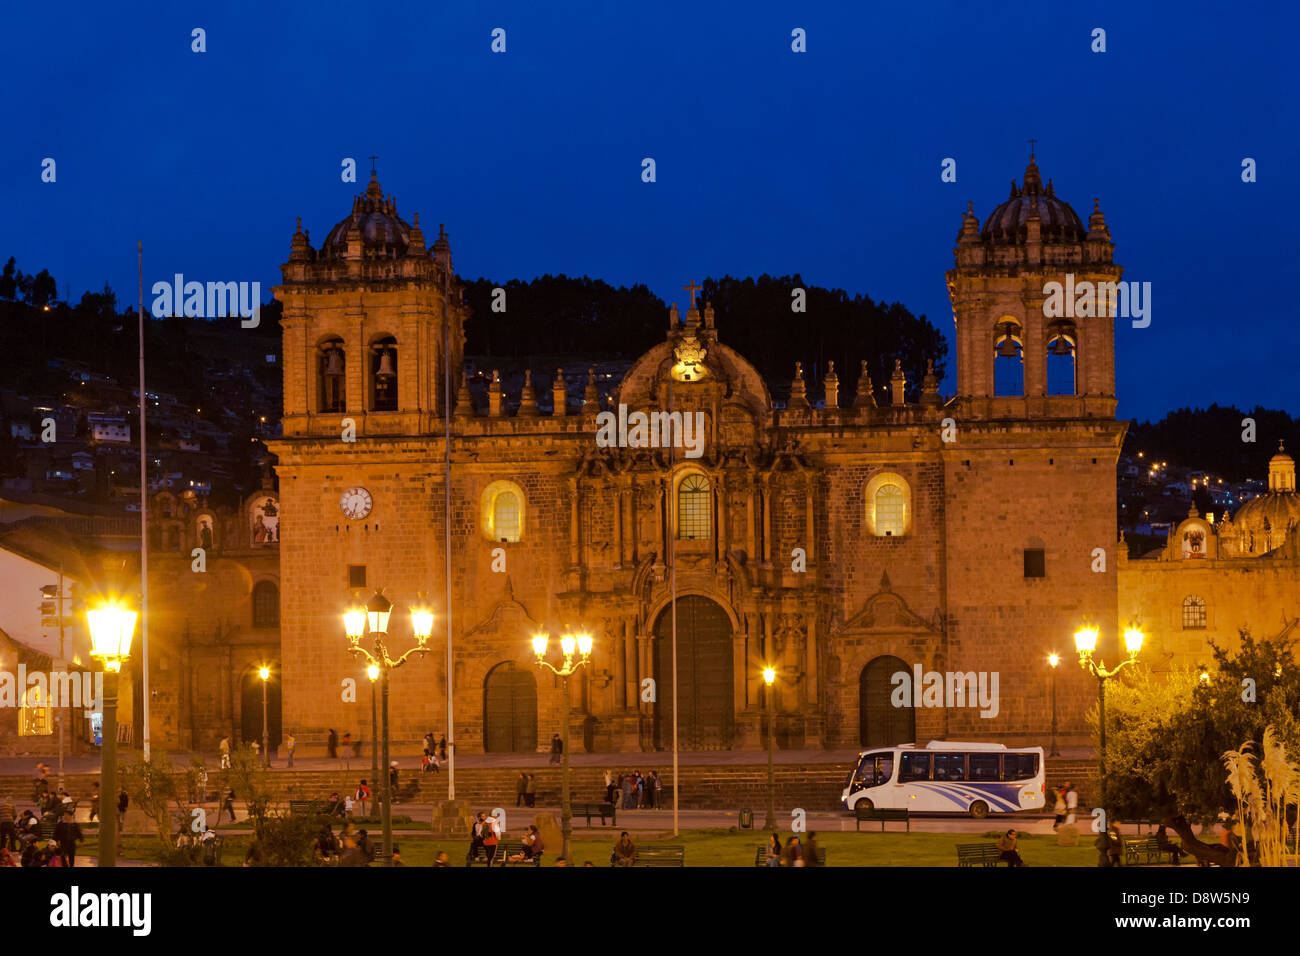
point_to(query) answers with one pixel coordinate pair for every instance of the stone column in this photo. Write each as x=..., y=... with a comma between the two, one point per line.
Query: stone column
x=574, y=537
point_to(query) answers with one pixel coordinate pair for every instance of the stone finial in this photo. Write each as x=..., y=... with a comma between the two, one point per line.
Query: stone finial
x=559, y=394
x=496, y=402
x=832, y=385
x=898, y=384
x=798, y=389
x=864, y=395
x=528, y=398
x=464, y=401
x=930, y=385
x=590, y=396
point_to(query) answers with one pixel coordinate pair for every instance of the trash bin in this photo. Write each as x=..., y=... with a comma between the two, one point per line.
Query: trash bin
x=747, y=819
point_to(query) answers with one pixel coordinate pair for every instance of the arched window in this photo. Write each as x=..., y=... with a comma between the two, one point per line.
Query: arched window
x=889, y=511
x=1062, y=347
x=333, y=368
x=1193, y=613
x=1008, y=359
x=383, y=375
x=888, y=505
x=694, y=508
x=266, y=604
x=503, y=512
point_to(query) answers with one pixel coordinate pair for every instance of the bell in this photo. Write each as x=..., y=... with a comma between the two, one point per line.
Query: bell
x=386, y=369
x=1061, y=346
x=1008, y=348
x=334, y=362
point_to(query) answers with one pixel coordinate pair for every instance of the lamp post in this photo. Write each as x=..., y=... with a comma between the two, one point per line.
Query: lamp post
x=1053, y=659
x=264, y=672
x=1085, y=641
x=769, y=680
x=111, y=628
x=372, y=671
x=568, y=644
x=373, y=617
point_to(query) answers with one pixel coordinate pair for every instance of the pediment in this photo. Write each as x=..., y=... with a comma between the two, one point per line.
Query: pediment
x=887, y=611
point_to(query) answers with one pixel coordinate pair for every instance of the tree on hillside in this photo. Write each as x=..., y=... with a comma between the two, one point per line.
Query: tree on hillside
x=8, y=283
x=44, y=289
x=1166, y=737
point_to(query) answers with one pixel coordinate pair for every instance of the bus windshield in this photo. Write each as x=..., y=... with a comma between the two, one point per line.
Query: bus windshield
x=874, y=770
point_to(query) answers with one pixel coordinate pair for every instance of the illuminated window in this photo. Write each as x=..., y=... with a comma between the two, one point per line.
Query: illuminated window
x=890, y=510
x=1194, y=613
x=694, y=508
x=503, y=512
x=34, y=715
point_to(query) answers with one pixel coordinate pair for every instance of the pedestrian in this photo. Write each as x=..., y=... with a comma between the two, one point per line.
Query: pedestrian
x=1071, y=803
x=346, y=752
x=68, y=834
x=629, y=787
x=811, y=851
x=531, y=792
x=640, y=791
x=609, y=786
x=659, y=785
x=476, y=835
x=94, y=800
x=793, y=854
x=429, y=745
x=773, y=850
x=397, y=856
x=392, y=781
x=290, y=744
x=8, y=831
x=257, y=750
x=1110, y=846
x=228, y=806
x=557, y=748
x=362, y=795
x=123, y=801
x=624, y=851
x=223, y=748
x=1059, y=808
x=442, y=747
x=332, y=744
x=1007, y=849
x=650, y=802
x=521, y=789
x=201, y=780
x=434, y=764
x=491, y=838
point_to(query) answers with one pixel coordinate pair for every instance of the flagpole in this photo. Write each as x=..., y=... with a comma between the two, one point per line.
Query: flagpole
x=144, y=531
x=446, y=512
x=672, y=558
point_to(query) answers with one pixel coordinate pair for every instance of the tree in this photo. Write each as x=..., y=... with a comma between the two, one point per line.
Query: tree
x=1166, y=737
x=44, y=289
x=158, y=790
x=8, y=284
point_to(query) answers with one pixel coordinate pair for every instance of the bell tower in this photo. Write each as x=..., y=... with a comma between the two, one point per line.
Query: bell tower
x=1033, y=295
x=368, y=320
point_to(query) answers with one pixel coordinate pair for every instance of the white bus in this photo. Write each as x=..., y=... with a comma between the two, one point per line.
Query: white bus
x=948, y=776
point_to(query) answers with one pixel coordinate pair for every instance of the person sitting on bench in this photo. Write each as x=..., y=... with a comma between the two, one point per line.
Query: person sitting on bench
x=532, y=846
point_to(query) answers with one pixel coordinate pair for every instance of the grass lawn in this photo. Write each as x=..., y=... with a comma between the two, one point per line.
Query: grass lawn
x=717, y=848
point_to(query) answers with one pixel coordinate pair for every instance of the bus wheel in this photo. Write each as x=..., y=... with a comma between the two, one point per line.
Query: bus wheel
x=864, y=804
x=979, y=809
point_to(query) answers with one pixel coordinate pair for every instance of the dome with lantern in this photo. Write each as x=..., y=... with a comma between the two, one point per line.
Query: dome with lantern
x=1005, y=225
x=375, y=222
x=1263, y=523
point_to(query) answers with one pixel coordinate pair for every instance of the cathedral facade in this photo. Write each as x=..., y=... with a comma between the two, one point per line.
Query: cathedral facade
x=843, y=545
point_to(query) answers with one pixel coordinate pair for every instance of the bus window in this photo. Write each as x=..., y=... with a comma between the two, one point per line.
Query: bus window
x=875, y=769
x=1020, y=766
x=884, y=768
x=949, y=766
x=984, y=766
x=914, y=767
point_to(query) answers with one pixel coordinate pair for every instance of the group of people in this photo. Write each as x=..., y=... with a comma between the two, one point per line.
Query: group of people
x=1067, y=803
x=796, y=852
x=435, y=754
x=632, y=789
x=48, y=834
x=485, y=837
x=350, y=847
x=526, y=790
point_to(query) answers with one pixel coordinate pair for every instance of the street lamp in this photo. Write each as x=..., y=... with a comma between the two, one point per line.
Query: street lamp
x=1053, y=659
x=373, y=616
x=372, y=671
x=568, y=644
x=769, y=679
x=111, y=628
x=264, y=672
x=1085, y=641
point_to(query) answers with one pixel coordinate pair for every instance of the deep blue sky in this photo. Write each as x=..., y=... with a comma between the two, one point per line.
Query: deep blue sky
x=824, y=163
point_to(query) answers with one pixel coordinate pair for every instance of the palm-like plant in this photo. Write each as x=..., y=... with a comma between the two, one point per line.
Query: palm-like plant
x=1264, y=789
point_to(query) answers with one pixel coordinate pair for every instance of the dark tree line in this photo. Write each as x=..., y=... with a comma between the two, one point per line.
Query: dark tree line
x=561, y=315
x=38, y=290
x=1211, y=439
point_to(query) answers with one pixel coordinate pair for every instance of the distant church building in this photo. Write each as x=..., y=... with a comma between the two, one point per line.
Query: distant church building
x=843, y=545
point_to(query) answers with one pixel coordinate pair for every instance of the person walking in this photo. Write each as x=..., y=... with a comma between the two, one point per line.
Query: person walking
x=362, y=796
x=392, y=781
x=476, y=835
x=123, y=801
x=332, y=745
x=629, y=787
x=442, y=747
x=291, y=744
x=223, y=748
x=557, y=748
x=650, y=802
x=67, y=833
x=659, y=786
x=491, y=838
x=1059, y=808
x=530, y=792
x=94, y=800
x=228, y=806
x=521, y=789
x=609, y=786
x=1008, y=848
x=1071, y=803
x=346, y=751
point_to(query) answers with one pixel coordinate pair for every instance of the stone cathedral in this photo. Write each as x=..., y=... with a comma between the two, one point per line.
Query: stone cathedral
x=842, y=544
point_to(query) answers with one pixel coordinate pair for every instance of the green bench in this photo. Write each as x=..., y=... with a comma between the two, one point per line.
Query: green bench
x=978, y=854
x=302, y=808
x=601, y=810
x=869, y=814
x=760, y=857
x=1147, y=853
x=659, y=855
x=505, y=850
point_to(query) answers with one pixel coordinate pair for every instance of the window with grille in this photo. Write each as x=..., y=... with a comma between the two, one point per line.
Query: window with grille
x=266, y=605
x=505, y=517
x=1193, y=613
x=693, y=508
x=890, y=502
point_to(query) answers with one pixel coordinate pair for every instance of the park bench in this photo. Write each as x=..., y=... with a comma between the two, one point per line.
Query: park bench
x=478, y=855
x=862, y=813
x=977, y=854
x=45, y=830
x=506, y=850
x=301, y=808
x=602, y=810
x=659, y=855
x=760, y=857
x=1146, y=853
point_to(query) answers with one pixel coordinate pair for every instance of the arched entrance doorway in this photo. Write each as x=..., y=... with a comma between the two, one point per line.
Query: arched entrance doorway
x=706, y=720
x=881, y=724
x=250, y=709
x=510, y=710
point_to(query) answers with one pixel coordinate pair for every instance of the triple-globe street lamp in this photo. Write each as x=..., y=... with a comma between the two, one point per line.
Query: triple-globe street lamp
x=569, y=644
x=372, y=618
x=112, y=625
x=1085, y=641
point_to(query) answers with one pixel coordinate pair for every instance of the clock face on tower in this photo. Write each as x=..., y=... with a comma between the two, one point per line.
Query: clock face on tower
x=356, y=503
